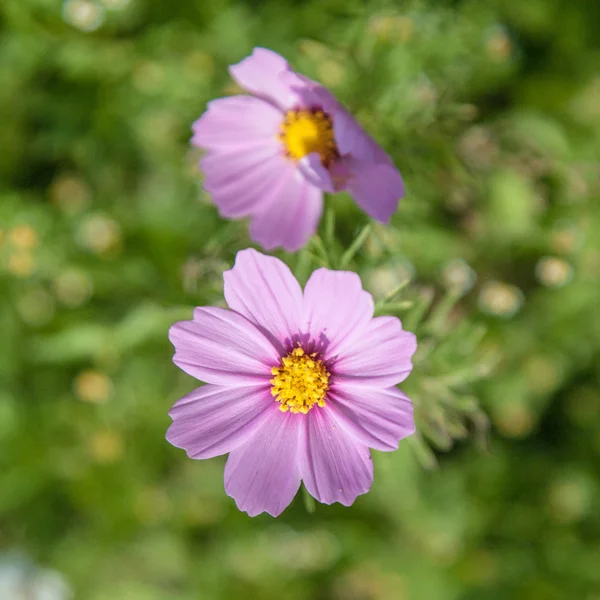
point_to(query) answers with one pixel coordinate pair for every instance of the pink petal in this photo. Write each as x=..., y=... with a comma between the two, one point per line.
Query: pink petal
x=264, y=290
x=377, y=188
x=380, y=357
x=263, y=475
x=236, y=122
x=268, y=75
x=334, y=467
x=219, y=346
x=244, y=157
x=336, y=309
x=374, y=417
x=261, y=75
x=339, y=175
x=309, y=93
x=240, y=182
x=368, y=172
x=352, y=140
x=290, y=213
x=214, y=420
x=315, y=173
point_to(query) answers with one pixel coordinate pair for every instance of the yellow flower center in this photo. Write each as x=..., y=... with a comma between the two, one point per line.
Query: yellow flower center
x=300, y=382
x=305, y=131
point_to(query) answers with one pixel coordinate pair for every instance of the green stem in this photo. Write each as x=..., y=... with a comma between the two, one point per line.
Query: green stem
x=355, y=246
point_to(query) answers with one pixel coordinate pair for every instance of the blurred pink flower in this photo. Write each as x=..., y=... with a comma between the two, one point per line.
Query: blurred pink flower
x=270, y=156
x=299, y=385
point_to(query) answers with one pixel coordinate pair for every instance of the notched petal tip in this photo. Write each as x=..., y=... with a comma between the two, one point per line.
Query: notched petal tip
x=411, y=430
x=412, y=344
x=234, y=125
x=222, y=347
x=335, y=467
x=262, y=57
x=262, y=475
x=214, y=420
x=265, y=291
x=256, y=512
x=176, y=330
x=261, y=75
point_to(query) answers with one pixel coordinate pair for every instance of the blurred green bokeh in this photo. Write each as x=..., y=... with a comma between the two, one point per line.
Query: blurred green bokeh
x=492, y=112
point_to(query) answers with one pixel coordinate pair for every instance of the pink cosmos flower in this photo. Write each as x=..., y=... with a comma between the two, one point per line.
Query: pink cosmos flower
x=270, y=156
x=299, y=385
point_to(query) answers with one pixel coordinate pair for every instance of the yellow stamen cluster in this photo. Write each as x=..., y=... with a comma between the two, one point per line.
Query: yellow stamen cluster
x=300, y=382
x=305, y=131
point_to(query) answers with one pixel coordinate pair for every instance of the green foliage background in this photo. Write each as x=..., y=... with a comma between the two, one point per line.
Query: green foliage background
x=492, y=112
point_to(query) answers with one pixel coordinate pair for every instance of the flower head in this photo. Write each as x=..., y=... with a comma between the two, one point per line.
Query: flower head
x=271, y=155
x=299, y=385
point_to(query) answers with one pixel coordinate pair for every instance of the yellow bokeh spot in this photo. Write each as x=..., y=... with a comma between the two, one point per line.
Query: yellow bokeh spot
x=307, y=131
x=23, y=237
x=92, y=386
x=300, y=382
x=21, y=264
x=106, y=446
